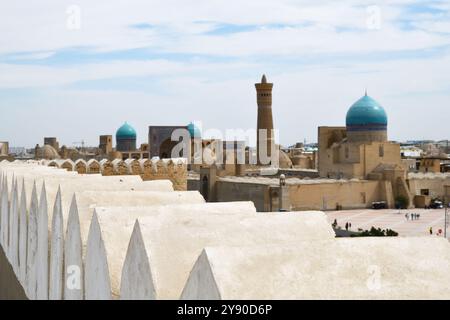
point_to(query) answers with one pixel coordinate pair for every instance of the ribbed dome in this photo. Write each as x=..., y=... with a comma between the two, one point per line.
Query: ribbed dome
x=126, y=132
x=366, y=112
x=194, y=131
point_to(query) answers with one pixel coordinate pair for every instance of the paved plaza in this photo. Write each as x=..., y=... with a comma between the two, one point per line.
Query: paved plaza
x=392, y=219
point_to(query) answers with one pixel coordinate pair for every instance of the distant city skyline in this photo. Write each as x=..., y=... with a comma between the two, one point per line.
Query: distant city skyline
x=77, y=70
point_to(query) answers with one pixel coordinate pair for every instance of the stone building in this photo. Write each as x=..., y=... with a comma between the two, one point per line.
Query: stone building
x=47, y=152
x=434, y=164
x=4, y=152
x=4, y=148
x=359, y=148
x=52, y=141
x=160, y=141
x=106, y=145
x=126, y=142
x=126, y=138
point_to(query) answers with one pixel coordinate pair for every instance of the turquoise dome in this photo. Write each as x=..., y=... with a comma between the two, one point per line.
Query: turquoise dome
x=367, y=113
x=194, y=131
x=126, y=132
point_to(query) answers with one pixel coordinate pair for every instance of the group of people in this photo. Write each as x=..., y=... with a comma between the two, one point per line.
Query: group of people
x=413, y=216
x=438, y=233
x=348, y=225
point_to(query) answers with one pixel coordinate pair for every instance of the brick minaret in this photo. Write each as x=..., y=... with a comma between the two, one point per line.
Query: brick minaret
x=265, y=120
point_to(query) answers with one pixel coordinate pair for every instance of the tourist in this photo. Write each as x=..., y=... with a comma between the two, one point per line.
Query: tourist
x=431, y=231
x=346, y=226
x=407, y=216
x=349, y=225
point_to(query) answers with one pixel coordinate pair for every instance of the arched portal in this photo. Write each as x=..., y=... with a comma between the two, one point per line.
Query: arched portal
x=165, y=150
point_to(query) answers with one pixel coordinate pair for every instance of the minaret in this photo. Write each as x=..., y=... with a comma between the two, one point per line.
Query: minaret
x=265, y=119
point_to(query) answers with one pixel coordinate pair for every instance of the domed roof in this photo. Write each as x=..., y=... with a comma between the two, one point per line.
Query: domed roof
x=284, y=161
x=126, y=132
x=366, y=111
x=194, y=131
x=47, y=152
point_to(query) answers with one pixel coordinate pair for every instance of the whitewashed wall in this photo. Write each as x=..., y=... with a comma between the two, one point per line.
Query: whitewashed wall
x=70, y=236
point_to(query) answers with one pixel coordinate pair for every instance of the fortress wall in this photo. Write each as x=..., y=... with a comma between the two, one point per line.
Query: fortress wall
x=171, y=243
x=305, y=196
x=364, y=268
x=434, y=183
x=326, y=196
x=173, y=170
x=147, y=241
x=82, y=209
x=44, y=219
x=232, y=191
x=41, y=186
x=10, y=287
x=167, y=169
x=108, y=222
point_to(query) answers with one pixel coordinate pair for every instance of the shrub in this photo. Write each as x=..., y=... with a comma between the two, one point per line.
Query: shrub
x=376, y=232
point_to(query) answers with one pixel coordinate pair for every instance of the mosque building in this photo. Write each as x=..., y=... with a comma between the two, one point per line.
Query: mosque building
x=126, y=138
x=126, y=145
x=359, y=148
x=160, y=139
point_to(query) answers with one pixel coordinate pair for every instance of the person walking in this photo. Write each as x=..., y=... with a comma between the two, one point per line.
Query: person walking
x=431, y=231
x=346, y=226
x=349, y=225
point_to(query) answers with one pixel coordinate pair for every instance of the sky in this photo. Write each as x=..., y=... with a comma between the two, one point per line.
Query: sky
x=78, y=69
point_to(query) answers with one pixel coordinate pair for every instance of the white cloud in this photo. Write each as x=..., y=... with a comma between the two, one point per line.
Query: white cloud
x=218, y=92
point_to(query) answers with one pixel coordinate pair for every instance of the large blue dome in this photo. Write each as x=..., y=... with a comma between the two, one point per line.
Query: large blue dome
x=126, y=132
x=367, y=112
x=194, y=131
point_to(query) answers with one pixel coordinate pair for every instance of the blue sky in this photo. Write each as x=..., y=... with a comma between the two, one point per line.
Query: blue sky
x=78, y=69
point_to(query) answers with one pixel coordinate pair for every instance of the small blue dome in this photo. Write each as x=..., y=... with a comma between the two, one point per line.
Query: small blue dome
x=126, y=132
x=194, y=131
x=366, y=112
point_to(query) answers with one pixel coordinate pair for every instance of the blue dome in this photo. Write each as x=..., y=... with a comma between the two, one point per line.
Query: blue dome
x=126, y=132
x=194, y=131
x=366, y=112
